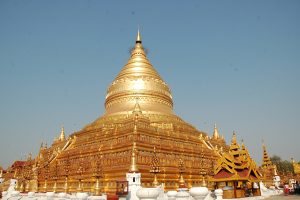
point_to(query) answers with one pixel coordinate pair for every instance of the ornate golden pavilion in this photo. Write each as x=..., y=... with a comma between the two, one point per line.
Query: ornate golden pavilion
x=138, y=118
x=236, y=169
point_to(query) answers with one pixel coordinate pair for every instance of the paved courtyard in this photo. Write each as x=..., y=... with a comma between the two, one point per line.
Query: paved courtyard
x=282, y=197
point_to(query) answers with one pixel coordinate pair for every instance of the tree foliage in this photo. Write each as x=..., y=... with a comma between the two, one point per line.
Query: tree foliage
x=283, y=166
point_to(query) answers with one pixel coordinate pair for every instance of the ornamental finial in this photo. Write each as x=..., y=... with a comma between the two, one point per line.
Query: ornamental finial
x=138, y=37
x=216, y=133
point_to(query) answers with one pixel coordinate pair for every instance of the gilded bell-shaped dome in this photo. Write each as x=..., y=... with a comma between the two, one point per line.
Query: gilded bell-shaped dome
x=138, y=80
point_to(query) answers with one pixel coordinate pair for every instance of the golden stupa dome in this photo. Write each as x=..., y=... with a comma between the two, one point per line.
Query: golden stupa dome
x=138, y=80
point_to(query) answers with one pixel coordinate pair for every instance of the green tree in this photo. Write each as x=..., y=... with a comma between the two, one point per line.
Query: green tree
x=283, y=166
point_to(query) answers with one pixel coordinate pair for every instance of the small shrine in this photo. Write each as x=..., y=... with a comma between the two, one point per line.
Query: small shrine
x=236, y=172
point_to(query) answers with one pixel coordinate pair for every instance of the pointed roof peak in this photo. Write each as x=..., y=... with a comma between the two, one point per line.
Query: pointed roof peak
x=138, y=37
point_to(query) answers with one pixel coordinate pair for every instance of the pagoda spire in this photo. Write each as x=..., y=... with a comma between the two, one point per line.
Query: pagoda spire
x=216, y=133
x=133, y=166
x=138, y=37
x=62, y=134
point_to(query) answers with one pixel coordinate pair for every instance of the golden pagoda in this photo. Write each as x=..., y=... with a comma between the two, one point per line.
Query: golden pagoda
x=236, y=172
x=138, y=117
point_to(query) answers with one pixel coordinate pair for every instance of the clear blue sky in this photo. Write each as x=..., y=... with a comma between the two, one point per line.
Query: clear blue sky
x=236, y=63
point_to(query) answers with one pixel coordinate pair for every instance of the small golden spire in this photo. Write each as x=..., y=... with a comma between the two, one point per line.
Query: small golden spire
x=216, y=133
x=138, y=37
x=62, y=134
x=243, y=145
x=181, y=168
x=133, y=166
x=155, y=167
x=233, y=140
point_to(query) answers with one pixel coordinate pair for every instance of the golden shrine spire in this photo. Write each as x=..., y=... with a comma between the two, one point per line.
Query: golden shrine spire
x=216, y=133
x=133, y=166
x=62, y=134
